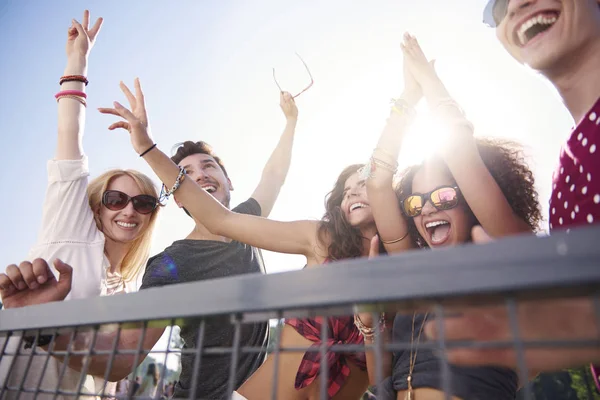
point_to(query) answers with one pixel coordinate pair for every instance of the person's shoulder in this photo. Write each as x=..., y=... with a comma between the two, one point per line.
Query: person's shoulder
x=250, y=206
x=161, y=269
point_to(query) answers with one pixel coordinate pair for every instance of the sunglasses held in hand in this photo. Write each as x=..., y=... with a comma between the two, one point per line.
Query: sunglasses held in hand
x=303, y=90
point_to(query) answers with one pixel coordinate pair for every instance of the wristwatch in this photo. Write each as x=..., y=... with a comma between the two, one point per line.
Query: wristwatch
x=42, y=340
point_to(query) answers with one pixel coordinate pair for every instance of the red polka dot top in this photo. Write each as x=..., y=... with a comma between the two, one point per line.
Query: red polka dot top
x=575, y=196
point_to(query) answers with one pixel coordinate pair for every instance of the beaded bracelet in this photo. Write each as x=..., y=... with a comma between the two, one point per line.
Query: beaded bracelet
x=166, y=193
x=367, y=171
x=72, y=78
x=393, y=168
x=402, y=108
x=369, y=332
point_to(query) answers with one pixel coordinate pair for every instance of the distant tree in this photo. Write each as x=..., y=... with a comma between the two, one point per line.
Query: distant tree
x=583, y=383
x=574, y=384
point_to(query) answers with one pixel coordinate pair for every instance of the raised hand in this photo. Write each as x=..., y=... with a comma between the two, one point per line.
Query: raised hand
x=136, y=120
x=412, y=89
x=288, y=106
x=34, y=283
x=414, y=59
x=80, y=38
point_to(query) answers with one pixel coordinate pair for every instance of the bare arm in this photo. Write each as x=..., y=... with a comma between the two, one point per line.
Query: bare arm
x=299, y=237
x=276, y=169
x=386, y=357
x=366, y=319
x=71, y=113
x=478, y=187
x=121, y=364
x=391, y=223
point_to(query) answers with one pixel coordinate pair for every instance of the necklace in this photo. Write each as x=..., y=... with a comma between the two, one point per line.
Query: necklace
x=113, y=283
x=413, y=357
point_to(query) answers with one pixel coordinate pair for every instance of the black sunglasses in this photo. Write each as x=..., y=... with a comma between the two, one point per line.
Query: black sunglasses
x=494, y=12
x=142, y=203
x=442, y=198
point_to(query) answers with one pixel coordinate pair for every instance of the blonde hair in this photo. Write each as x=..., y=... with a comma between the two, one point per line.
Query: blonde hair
x=138, y=254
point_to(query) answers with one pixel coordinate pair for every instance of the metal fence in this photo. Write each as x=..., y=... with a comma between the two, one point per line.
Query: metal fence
x=503, y=272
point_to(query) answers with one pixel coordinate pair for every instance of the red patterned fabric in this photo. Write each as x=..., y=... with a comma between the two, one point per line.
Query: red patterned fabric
x=575, y=196
x=576, y=183
x=340, y=330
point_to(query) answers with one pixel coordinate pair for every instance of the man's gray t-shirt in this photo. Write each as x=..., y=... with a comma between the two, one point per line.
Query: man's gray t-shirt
x=194, y=260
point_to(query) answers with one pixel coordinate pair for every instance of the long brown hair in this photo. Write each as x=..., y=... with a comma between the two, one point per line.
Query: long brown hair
x=505, y=161
x=138, y=254
x=345, y=240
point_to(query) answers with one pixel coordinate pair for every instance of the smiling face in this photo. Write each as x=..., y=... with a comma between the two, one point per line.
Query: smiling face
x=355, y=203
x=206, y=172
x=126, y=225
x=440, y=227
x=549, y=35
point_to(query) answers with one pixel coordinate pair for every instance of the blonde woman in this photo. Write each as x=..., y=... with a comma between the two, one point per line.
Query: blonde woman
x=102, y=228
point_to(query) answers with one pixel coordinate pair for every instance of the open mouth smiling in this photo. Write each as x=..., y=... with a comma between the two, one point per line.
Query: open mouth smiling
x=210, y=188
x=534, y=26
x=438, y=231
x=357, y=206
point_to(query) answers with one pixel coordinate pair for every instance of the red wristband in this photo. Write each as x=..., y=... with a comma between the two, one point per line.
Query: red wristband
x=70, y=93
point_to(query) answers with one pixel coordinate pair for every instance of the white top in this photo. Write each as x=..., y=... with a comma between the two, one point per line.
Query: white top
x=68, y=232
x=147, y=388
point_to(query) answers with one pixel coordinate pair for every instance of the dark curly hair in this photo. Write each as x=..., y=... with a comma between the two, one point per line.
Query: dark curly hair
x=506, y=163
x=345, y=240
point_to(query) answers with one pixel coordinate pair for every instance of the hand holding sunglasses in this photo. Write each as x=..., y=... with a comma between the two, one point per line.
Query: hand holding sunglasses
x=442, y=198
x=136, y=120
x=115, y=200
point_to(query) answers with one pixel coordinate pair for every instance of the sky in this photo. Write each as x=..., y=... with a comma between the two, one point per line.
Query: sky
x=206, y=69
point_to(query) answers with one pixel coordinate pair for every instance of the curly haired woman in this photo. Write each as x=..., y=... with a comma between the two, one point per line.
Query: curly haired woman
x=471, y=183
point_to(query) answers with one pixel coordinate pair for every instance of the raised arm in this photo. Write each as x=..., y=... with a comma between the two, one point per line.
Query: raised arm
x=391, y=223
x=276, y=169
x=298, y=237
x=477, y=185
x=71, y=112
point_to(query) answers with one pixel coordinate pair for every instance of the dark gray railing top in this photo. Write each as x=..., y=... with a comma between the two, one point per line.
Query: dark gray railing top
x=563, y=264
